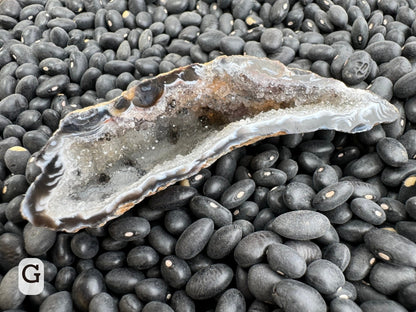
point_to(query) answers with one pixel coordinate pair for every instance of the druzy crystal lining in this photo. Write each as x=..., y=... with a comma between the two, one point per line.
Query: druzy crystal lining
x=104, y=159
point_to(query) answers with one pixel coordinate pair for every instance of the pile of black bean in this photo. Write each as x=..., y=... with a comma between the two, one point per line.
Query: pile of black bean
x=310, y=222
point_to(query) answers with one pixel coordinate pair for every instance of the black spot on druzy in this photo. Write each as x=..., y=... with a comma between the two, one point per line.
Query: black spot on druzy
x=103, y=178
x=121, y=103
x=147, y=93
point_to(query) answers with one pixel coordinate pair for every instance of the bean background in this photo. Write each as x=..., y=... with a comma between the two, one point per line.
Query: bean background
x=310, y=222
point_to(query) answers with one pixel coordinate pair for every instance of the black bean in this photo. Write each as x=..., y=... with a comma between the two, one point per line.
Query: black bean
x=181, y=302
x=61, y=251
x=190, y=18
x=173, y=197
x=232, y=45
x=161, y=240
x=43, y=50
x=149, y=214
x=279, y=11
x=189, y=33
x=365, y=292
x=388, y=279
x=175, y=271
x=381, y=305
x=333, y=196
x=330, y=237
x=130, y=302
x=392, y=152
x=176, y=221
x=391, y=247
x=154, y=306
x=210, y=40
x=199, y=262
x=366, y=166
x=321, y=68
x=193, y=240
x=286, y=261
x=321, y=52
x=23, y=54
x=271, y=40
x=406, y=296
x=117, y=67
x=251, y=248
x=402, y=87
x=357, y=67
x=342, y=304
x=129, y=228
x=408, y=188
x=84, y=246
x=231, y=300
x=89, y=78
x=360, y=264
x=338, y=16
x=209, y=282
x=38, y=240
x=59, y=36
x=260, y=281
x=123, y=280
x=112, y=245
x=51, y=118
x=12, y=210
x=298, y=196
x=411, y=207
x=324, y=276
x=237, y=193
x=269, y=177
x=292, y=295
x=223, y=241
x=406, y=229
x=102, y=302
x=12, y=105
x=142, y=257
x=396, y=68
x=13, y=186
x=368, y=211
x=78, y=64
x=303, y=178
x=87, y=284
x=13, y=251
x=60, y=302
x=172, y=26
x=7, y=86
x=359, y=33
x=254, y=48
x=26, y=70
x=394, y=176
x=10, y=296
x=323, y=177
x=202, y=207
x=246, y=211
x=16, y=158
x=13, y=131
x=29, y=119
x=27, y=87
x=310, y=162
x=382, y=86
x=354, y=230
x=301, y=225
x=383, y=51
x=152, y=289
x=394, y=209
x=52, y=86
x=226, y=166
